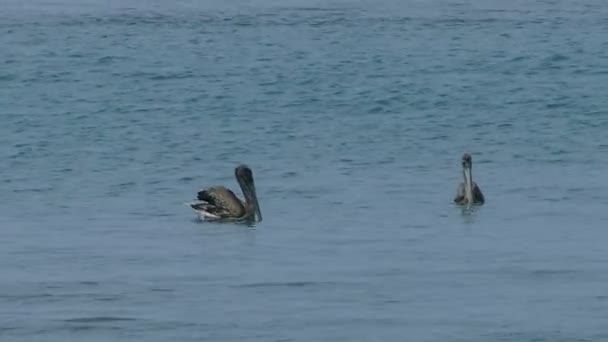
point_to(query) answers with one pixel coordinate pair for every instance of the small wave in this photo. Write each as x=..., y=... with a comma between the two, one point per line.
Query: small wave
x=98, y=319
x=283, y=284
x=23, y=297
x=552, y=273
x=108, y=299
x=8, y=77
x=158, y=289
x=89, y=283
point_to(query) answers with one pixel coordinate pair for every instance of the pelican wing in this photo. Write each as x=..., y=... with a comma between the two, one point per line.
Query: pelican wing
x=220, y=202
x=477, y=195
x=460, y=195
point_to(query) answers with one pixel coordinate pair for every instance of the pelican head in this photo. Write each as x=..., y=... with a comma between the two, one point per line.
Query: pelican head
x=467, y=164
x=467, y=161
x=244, y=176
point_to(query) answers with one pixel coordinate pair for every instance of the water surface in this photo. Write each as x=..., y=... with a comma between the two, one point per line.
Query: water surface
x=353, y=116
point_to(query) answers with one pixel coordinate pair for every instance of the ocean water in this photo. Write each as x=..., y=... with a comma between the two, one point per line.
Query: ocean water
x=353, y=116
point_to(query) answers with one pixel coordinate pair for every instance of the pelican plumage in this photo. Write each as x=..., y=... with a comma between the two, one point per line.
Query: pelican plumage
x=221, y=204
x=468, y=192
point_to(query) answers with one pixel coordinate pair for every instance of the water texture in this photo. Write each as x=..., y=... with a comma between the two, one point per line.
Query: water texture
x=353, y=116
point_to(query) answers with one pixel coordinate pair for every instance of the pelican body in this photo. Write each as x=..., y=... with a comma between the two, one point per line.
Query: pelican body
x=221, y=204
x=468, y=192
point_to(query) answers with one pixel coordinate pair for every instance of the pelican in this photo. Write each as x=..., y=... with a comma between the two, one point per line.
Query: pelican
x=220, y=204
x=468, y=192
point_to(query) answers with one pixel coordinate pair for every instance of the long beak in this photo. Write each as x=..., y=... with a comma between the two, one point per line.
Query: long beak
x=248, y=188
x=468, y=183
x=254, y=200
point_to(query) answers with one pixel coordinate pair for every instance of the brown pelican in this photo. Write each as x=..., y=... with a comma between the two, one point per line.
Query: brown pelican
x=220, y=204
x=468, y=192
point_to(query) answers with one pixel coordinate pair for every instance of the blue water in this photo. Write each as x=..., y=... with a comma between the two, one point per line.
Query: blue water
x=353, y=116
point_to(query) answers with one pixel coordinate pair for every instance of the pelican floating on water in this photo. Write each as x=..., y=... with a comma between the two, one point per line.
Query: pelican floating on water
x=468, y=192
x=221, y=204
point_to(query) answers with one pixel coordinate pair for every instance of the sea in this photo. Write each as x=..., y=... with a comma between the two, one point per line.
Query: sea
x=353, y=116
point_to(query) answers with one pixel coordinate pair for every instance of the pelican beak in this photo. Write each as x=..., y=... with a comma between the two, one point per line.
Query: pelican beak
x=468, y=181
x=256, y=204
x=467, y=175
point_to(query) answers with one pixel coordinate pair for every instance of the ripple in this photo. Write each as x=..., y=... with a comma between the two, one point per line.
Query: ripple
x=553, y=272
x=98, y=319
x=284, y=284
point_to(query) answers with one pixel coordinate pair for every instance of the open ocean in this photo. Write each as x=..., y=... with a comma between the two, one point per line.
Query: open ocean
x=353, y=116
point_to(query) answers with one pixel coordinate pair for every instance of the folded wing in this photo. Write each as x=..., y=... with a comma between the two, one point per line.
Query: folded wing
x=219, y=202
